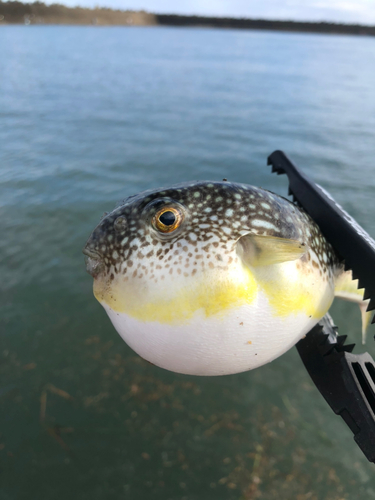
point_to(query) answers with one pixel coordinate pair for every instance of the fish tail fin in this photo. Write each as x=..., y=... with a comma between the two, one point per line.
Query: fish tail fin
x=347, y=288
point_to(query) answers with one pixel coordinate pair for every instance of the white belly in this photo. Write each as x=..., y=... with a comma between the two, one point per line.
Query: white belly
x=242, y=339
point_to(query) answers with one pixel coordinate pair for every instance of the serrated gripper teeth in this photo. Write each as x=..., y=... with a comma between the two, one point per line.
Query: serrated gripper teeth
x=354, y=275
x=341, y=340
x=276, y=168
x=348, y=348
x=326, y=350
x=347, y=267
x=341, y=347
x=366, y=295
x=324, y=338
x=360, y=285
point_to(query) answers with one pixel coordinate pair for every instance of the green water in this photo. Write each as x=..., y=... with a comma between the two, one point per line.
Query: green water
x=89, y=116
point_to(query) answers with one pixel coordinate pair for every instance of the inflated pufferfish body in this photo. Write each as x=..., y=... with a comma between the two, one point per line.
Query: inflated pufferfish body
x=212, y=278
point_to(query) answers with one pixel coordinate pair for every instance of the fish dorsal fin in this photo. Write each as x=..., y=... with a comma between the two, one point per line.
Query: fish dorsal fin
x=255, y=250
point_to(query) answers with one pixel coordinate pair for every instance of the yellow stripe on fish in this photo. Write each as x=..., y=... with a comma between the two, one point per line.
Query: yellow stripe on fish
x=212, y=294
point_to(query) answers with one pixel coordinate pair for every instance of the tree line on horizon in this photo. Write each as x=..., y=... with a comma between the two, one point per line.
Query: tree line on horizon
x=16, y=12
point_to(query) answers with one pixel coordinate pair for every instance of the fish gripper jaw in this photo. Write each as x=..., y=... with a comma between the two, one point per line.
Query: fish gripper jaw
x=352, y=244
x=345, y=380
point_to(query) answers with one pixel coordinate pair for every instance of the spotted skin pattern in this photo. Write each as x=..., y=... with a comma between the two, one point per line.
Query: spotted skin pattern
x=218, y=214
x=186, y=300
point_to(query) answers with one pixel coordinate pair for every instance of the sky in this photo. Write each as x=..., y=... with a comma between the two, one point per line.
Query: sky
x=345, y=11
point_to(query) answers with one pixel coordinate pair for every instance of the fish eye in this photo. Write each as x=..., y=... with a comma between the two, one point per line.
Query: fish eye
x=167, y=219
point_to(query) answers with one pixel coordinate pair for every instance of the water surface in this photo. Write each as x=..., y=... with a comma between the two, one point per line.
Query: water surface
x=91, y=115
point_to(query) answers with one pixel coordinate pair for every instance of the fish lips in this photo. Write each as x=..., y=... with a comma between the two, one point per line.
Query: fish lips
x=94, y=262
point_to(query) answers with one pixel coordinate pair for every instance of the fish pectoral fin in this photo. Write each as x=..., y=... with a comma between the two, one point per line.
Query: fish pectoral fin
x=365, y=314
x=346, y=288
x=255, y=250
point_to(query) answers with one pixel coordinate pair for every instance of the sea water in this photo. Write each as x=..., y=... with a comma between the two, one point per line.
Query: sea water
x=90, y=115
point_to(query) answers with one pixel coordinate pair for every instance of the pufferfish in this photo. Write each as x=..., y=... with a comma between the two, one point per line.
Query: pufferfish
x=214, y=278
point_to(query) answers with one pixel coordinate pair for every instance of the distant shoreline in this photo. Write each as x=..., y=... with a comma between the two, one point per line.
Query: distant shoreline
x=38, y=13
x=265, y=24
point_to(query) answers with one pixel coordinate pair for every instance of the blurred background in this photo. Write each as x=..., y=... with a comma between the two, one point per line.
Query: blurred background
x=91, y=115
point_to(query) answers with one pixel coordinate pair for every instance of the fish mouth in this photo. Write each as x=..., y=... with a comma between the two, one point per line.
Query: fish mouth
x=94, y=262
